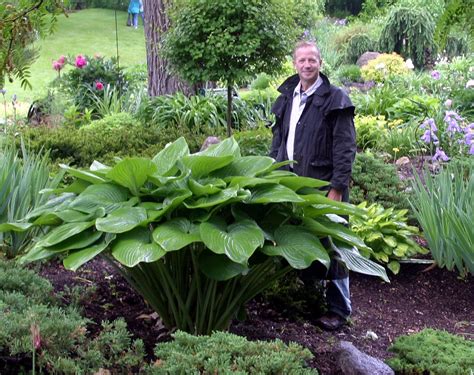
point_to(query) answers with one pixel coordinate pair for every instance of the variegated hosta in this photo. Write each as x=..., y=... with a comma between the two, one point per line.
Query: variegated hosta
x=198, y=235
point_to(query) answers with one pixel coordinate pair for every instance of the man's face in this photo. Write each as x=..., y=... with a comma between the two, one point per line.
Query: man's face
x=307, y=63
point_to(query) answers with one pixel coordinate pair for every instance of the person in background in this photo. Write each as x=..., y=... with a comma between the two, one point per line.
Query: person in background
x=134, y=9
x=315, y=128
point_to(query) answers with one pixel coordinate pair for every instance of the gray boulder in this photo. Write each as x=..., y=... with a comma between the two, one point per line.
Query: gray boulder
x=351, y=361
x=366, y=57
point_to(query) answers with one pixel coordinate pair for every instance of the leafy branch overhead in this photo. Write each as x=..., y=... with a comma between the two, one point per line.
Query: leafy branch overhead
x=214, y=216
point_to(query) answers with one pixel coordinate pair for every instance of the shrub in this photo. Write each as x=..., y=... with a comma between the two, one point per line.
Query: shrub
x=414, y=108
x=349, y=73
x=225, y=352
x=261, y=82
x=403, y=139
x=384, y=66
x=386, y=232
x=262, y=101
x=432, y=351
x=373, y=180
x=113, y=121
x=189, y=231
x=443, y=207
x=254, y=142
x=370, y=131
x=62, y=346
x=357, y=45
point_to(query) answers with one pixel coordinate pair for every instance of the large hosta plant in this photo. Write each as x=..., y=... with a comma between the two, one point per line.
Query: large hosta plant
x=197, y=235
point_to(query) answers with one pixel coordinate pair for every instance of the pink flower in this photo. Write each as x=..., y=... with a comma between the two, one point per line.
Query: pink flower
x=57, y=65
x=99, y=85
x=81, y=61
x=435, y=74
x=62, y=59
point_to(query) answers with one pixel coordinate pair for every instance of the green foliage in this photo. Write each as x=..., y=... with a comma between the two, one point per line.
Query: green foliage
x=386, y=232
x=81, y=83
x=432, y=351
x=21, y=22
x=457, y=44
x=373, y=180
x=414, y=108
x=403, y=139
x=371, y=131
x=357, y=45
x=197, y=235
x=80, y=147
x=254, y=142
x=225, y=352
x=106, y=4
x=262, y=101
x=409, y=32
x=261, y=82
x=384, y=66
x=23, y=174
x=443, y=207
x=114, y=121
x=349, y=73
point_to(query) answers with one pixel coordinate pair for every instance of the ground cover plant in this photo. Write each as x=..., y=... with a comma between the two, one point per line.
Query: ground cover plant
x=188, y=230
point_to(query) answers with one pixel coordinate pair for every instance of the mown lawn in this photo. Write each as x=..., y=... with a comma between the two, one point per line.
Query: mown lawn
x=90, y=31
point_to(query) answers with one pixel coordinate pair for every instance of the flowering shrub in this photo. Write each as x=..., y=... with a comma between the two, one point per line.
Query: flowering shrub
x=384, y=66
x=371, y=131
x=91, y=75
x=453, y=135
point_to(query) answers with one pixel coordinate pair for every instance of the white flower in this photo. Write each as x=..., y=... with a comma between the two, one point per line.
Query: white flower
x=409, y=64
x=470, y=83
x=448, y=103
x=380, y=66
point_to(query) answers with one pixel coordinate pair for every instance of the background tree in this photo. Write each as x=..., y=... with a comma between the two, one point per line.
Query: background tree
x=21, y=23
x=160, y=80
x=229, y=41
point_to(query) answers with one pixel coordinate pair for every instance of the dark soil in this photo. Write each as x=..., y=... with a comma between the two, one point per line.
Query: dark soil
x=412, y=301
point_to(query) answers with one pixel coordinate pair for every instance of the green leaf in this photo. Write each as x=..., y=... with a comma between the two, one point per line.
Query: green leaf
x=167, y=158
x=298, y=246
x=334, y=207
x=238, y=241
x=63, y=232
x=219, y=267
x=122, y=220
x=132, y=173
x=83, y=175
x=54, y=204
x=176, y=234
x=228, y=147
x=36, y=253
x=15, y=227
x=206, y=186
x=297, y=182
x=80, y=257
x=390, y=241
x=78, y=241
x=213, y=200
x=273, y=193
x=394, y=266
x=358, y=263
x=203, y=165
x=248, y=166
x=108, y=196
x=135, y=247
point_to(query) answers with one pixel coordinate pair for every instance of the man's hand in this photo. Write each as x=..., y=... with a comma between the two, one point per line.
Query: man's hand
x=335, y=195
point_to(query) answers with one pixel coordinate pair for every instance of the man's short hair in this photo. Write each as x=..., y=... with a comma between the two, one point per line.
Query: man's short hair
x=306, y=43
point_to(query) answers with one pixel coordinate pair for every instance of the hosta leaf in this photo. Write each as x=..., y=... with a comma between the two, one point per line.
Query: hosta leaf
x=225, y=148
x=213, y=200
x=108, y=196
x=238, y=241
x=203, y=165
x=394, y=266
x=357, y=263
x=122, y=220
x=167, y=158
x=327, y=228
x=63, y=232
x=275, y=171
x=248, y=166
x=36, y=253
x=83, y=175
x=206, y=186
x=273, y=193
x=244, y=181
x=135, y=247
x=80, y=257
x=335, y=207
x=132, y=173
x=15, y=227
x=297, y=182
x=390, y=241
x=53, y=204
x=50, y=218
x=176, y=234
x=77, y=187
x=219, y=267
x=373, y=236
x=79, y=241
x=298, y=246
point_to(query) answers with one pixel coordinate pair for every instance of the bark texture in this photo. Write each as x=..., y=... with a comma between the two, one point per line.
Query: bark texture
x=160, y=79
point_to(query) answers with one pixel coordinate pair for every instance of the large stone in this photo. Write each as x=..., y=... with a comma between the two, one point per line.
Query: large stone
x=366, y=57
x=351, y=361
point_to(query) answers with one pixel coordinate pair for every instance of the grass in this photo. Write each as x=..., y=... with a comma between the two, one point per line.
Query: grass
x=89, y=32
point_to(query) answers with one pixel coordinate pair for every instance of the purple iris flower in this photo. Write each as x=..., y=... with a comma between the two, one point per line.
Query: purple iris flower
x=471, y=150
x=429, y=136
x=440, y=155
x=429, y=124
x=435, y=74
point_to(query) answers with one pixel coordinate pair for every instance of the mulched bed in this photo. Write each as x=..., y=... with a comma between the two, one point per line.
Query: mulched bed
x=382, y=311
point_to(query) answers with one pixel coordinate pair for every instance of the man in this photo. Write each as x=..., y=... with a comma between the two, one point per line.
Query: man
x=315, y=127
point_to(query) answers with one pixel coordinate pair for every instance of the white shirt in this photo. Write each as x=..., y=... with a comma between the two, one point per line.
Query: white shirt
x=299, y=102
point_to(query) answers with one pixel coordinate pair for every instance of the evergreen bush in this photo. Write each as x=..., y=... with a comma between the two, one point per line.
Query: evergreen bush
x=254, y=142
x=357, y=45
x=434, y=352
x=226, y=353
x=349, y=73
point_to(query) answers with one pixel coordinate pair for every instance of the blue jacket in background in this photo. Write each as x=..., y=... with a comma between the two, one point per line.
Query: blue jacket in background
x=134, y=6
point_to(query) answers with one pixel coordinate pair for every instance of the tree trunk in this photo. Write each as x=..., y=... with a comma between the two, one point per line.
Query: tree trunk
x=229, y=109
x=160, y=80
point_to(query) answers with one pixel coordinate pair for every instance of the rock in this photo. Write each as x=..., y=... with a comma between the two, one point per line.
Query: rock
x=371, y=335
x=402, y=161
x=366, y=57
x=210, y=141
x=351, y=361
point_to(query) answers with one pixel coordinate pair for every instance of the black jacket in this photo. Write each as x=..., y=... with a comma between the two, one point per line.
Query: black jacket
x=325, y=143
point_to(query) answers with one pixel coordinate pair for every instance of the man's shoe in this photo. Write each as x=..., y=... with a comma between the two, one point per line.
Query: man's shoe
x=331, y=322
